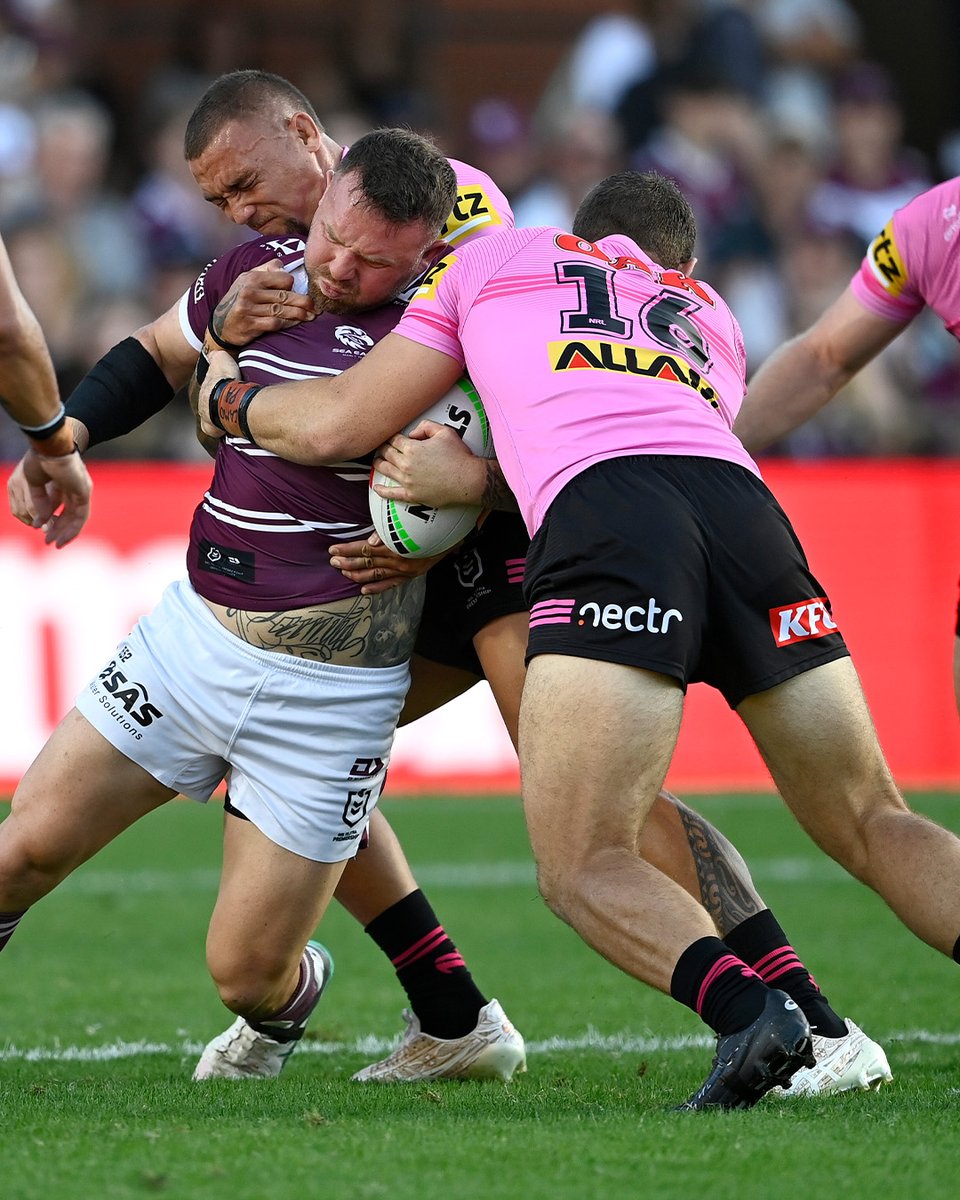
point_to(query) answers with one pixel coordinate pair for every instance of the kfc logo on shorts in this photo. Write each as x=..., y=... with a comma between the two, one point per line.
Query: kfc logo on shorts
x=802, y=622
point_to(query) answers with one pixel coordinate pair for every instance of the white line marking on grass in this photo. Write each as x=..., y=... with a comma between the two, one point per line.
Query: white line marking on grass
x=93, y=881
x=370, y=1045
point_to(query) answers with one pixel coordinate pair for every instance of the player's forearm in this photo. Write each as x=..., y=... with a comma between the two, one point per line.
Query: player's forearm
x=28, y=384
x=119, y=393
x=497, y=495
x=793, y=384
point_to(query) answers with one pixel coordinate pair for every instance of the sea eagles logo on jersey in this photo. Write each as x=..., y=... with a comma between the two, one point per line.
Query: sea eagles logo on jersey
x=354, y=338
x=951, y=215
x=887, y=262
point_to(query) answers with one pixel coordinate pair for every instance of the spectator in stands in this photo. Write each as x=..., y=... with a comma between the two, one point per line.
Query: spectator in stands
x=872, y=172
x=577, y=153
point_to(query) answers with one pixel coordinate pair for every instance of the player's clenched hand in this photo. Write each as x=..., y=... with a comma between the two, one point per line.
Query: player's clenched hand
x=378, y=569
x=218, y=365
x=52, y=494
x=260, y=301
x=431, y=466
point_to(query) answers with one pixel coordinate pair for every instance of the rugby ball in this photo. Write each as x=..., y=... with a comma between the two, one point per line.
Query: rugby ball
x=417, y=530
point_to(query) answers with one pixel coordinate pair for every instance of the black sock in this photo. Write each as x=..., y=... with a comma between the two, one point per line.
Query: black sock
x=8, y=924
x=763, y=945
x=956, y=946
x=430, y=968
x=288, y=1023
x=718, y=986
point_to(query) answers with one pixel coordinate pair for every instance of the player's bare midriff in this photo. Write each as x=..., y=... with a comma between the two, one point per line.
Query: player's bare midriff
x=357, y=631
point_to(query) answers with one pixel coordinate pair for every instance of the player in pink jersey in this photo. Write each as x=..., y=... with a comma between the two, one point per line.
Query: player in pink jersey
x=913, y=263
x=59, y=484
x=611, y=380
x=475, y=617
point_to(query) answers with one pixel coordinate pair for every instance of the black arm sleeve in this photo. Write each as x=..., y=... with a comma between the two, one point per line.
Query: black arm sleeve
x=120, y=392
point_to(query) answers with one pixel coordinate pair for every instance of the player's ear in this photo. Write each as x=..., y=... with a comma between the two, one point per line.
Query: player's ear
x=436, y=250
x=306, y=129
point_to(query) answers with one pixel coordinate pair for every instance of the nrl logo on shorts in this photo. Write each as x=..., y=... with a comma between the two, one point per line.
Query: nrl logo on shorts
x=353, y=338
x=355, y=809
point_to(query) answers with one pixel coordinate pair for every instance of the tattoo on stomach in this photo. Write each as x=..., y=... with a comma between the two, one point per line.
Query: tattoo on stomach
x=361, y=631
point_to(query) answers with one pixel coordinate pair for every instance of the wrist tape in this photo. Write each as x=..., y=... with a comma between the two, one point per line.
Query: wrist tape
x=229, y=401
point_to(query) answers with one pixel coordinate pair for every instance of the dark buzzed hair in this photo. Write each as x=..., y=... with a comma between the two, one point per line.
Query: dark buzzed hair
x=649, y=208
x=402, y=176
x=240, y=96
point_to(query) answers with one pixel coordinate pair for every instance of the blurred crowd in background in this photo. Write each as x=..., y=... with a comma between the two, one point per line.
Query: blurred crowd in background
x=788, y=141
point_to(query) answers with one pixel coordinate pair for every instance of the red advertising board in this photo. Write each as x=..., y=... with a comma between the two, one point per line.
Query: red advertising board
x=883, y=537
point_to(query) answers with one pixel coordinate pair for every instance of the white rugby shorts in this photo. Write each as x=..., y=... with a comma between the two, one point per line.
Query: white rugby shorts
x=303, y=745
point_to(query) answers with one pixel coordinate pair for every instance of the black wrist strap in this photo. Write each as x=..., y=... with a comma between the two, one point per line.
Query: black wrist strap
x=229, y=402
x=39, y=433
x=119, y=393
x=224, y=345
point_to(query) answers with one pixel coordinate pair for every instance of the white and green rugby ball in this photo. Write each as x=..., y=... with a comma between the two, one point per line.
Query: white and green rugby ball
x=417, y=530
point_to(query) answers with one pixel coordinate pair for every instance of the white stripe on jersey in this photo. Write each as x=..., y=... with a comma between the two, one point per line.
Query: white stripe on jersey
x=283, y=368
x=275, y=522
x=350, y=470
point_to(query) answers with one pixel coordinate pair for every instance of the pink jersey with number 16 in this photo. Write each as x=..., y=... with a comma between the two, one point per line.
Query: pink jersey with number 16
x=583, y=352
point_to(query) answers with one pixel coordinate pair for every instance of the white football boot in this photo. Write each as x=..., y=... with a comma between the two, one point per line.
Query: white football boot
x=493, y=1050
x=241, y=1052
x=844, y=1064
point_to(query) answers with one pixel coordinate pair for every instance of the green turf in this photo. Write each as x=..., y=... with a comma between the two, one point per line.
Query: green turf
x=116, y=957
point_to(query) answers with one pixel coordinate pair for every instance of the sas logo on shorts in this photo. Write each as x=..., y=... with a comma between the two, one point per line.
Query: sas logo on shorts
x=802, y=622
x=130, y=695
x=636, y=618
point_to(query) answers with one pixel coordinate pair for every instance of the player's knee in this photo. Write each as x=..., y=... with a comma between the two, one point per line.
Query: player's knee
x=561, y=883
x=861, y=842
x=248, y=983
x=30, y=864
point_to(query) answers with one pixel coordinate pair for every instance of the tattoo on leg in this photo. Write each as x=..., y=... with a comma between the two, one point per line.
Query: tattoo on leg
x=726, y=889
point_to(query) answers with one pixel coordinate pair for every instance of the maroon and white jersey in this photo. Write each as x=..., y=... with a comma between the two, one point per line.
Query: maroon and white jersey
x=259, y=538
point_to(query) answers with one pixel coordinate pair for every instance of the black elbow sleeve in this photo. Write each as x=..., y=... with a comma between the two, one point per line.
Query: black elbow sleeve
x=120, y=392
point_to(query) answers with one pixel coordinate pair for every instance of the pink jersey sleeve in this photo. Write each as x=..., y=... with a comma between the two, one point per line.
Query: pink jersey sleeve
x=480, y=207
x=913, y=261
x=431, y=318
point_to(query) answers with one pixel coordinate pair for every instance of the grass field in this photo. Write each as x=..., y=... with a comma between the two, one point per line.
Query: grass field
x=105, y=1004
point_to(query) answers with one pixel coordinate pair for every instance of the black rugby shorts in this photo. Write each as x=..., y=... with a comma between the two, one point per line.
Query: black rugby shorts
x=471, y=587
x=682, y=565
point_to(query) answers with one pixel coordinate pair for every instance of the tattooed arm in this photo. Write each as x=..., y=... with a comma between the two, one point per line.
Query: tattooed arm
x=433, y=466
